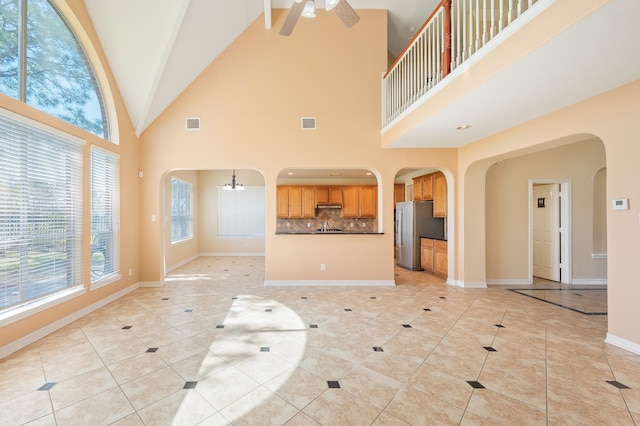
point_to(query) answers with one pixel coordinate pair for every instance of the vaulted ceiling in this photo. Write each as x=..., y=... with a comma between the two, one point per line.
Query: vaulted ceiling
x=156, y=48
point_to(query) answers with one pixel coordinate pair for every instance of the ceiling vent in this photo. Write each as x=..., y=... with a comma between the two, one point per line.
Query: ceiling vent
x=308, y=123
x=192, y=123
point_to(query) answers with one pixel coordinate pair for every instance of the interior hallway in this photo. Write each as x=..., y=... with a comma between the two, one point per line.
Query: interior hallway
x=215, y=347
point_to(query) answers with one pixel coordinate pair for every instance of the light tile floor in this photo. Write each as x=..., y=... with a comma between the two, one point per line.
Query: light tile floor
x=214, y=347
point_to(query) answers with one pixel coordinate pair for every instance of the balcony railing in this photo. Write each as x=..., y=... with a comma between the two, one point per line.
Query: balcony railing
x=451, y=35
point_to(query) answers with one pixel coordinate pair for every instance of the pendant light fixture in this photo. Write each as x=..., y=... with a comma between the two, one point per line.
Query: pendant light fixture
x=233, y=186
x=309, y=10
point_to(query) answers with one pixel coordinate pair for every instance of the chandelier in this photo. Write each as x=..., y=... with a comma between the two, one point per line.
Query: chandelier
x=233, y=186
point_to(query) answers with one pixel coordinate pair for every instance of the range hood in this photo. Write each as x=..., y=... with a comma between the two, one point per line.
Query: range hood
x=329, y=206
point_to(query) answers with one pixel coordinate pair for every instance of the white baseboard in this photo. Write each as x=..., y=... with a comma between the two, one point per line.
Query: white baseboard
x=151, y=284
x=469, y=284
x=329, y=283
x=214, y=254
x=54, y=326
x=625, y=344
x=589, y=281
x=508, y=281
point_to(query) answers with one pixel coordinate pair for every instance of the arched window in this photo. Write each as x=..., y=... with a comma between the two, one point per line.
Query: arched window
x=43, y=64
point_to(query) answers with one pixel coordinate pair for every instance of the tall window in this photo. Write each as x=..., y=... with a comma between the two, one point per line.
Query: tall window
x=43, y=64
x=105, y=215
x=241, y=213
x=40, y=212
x=181, y=210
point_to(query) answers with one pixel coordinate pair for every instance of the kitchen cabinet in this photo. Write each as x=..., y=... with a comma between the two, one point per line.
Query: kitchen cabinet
x=427, y=254
x=434, y=257
x=329, y=195
x=423, y=187
x=440, y=259
x=296, y=202
x=398, y=193
x=439, y=195
x=359, y=201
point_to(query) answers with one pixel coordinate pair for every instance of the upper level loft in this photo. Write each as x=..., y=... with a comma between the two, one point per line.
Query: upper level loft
x=478, y=67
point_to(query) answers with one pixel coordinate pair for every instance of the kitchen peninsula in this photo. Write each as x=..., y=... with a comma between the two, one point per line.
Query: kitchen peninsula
x=327, y=209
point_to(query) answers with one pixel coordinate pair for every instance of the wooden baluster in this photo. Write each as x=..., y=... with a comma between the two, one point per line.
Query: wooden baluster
x=446, y=54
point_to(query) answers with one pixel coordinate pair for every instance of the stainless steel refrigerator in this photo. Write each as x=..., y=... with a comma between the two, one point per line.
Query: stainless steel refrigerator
x=414, y=219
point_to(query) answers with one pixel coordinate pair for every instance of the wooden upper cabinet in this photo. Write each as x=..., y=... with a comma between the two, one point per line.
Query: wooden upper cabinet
x=439, y=195
x=417, y=188
x=350, y=201
x=329, y=195
x=398, y=193
x=359, y=201
x=296, y=202
x=427, y=187
x=368, y=204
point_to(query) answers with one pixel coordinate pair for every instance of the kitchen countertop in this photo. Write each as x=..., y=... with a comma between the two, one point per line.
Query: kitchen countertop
x=431, y=238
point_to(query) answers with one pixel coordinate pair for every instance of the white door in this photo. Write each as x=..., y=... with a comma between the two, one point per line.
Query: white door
x=546, y=232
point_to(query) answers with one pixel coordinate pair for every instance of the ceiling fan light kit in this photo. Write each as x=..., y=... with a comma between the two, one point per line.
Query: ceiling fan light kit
x=307, y=8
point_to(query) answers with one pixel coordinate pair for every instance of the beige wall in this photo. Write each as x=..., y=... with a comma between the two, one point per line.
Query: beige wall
x=209, y=242
x=126, y=147
x=250, y=101
x=610, y=117
x=507, y=210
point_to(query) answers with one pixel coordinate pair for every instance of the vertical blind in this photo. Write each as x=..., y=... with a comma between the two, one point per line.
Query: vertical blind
x=181, y=210
x=105, y=214
x=241, y=213
x=40, y=212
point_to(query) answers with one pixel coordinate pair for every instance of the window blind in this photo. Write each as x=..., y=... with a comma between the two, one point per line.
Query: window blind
x=40, y=211
x=181, y=210
x=241, y=213
x=105, y=214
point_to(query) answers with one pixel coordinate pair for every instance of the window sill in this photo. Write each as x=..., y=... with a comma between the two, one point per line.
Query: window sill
x=105, y=281
x=30, y=308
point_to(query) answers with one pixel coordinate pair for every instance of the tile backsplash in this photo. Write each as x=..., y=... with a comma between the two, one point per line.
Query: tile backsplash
x=332, y=216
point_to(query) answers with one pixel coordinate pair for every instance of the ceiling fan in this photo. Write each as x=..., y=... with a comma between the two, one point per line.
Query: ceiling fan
x=308, y=8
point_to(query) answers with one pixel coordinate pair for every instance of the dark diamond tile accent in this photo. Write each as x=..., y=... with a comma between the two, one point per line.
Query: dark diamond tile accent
x=499, y=325
x=349, y=310
x=165, y=298
x=234, y=298
x=127, y=327
x=378, y=349
x=220, y=326
x=475, y=385
x=407, y=325
x=265, y=349
x=333, y=384
x=246, y=275
x=577, y=294
x=47, y=386
x=151, y=350
x=618, y=384
x=490, y=349
x=313, y=326
x=442, y=297
x=397, y=275
x=190, y=385
x=373, y=297
x=304, y=297
x=427, y=309
x=226, y=270
x=268, y=310
x=188, y=310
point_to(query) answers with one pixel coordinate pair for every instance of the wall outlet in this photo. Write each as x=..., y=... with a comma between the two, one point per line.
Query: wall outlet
x=323, y=267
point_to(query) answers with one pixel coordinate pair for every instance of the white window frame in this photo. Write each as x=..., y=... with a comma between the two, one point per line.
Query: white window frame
x=105, y=195
x=186, y=213
x=31, y=306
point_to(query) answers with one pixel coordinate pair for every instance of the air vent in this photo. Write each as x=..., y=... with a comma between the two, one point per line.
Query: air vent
x=308, y=123
x=192, y=123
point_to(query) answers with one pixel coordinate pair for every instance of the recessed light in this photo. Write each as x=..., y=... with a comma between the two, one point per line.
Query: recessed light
x=335, y=174
x=463, y=127
x=290, y=173
x=369, y=173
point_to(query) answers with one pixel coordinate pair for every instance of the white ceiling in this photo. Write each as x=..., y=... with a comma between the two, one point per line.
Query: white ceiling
x=158, y=47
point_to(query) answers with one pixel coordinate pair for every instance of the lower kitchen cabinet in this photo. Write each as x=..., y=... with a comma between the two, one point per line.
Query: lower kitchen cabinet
x=434, y=257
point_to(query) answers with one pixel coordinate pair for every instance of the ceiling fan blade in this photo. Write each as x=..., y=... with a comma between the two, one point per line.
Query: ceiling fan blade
x=292, y=18
x=346, y=13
